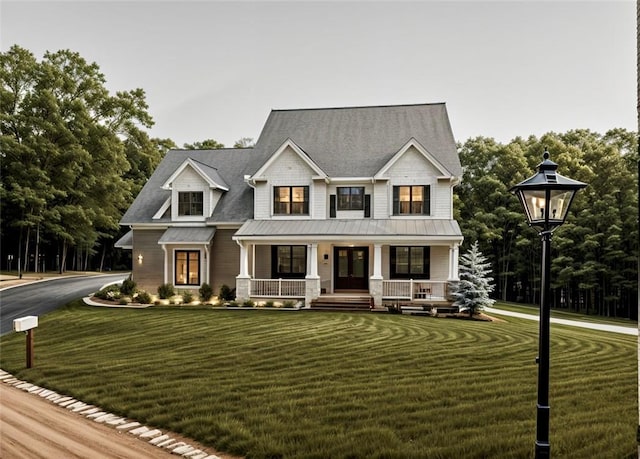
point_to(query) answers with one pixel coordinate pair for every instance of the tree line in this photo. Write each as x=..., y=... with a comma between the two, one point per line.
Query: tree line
x=594, y=254
x=73, y=156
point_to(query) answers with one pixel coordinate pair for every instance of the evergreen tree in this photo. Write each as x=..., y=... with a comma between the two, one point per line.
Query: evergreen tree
x=472, y=291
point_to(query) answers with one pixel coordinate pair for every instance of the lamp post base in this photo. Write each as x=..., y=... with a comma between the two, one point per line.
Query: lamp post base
x=543, y=450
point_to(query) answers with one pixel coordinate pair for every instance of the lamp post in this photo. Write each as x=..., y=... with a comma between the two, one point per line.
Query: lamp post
x=546, y=198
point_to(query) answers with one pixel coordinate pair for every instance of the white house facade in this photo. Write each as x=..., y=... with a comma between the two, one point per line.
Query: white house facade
x=330, y=202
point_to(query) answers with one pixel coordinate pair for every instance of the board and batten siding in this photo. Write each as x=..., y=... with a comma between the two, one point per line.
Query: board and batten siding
x=149, y=274
x=224, y=260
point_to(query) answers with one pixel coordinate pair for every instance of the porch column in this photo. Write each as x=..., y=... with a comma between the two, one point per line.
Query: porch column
x=243, y=280
x=312, y=257
x=375, y=281
x=453, y=262
x=312, y=280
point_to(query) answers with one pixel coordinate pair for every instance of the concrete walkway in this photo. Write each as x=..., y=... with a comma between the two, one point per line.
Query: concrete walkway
x=572, y=323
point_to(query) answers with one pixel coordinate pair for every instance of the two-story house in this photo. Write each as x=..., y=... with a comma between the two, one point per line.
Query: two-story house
x=329, y=202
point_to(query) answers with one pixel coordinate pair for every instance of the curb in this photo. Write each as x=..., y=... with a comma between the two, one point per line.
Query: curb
x=153, y=436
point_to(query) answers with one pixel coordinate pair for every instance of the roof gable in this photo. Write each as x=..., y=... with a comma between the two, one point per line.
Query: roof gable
x=208, y=173
x=422, y=151
x=288, y=144
x=359, y=141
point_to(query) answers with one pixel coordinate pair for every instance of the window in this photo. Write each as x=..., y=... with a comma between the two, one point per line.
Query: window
x=291, y=200
x=190, y=202
x=412, y=200
x=288, y=261
x=187, y=267
x=350, y=198
x=410, y=262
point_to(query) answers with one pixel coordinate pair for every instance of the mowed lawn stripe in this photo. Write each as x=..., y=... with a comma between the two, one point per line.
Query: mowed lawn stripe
x=305, y=385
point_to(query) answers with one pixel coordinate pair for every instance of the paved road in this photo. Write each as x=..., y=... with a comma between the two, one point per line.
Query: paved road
x=39, y=298
x=573, y=323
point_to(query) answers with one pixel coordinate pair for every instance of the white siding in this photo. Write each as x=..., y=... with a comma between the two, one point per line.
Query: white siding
x=287, y=170
x=348, y=214
x=189, y=180
x=262, y=201
x=439, y=263
x=320, y=201
x=380, y=205
x=414, y=169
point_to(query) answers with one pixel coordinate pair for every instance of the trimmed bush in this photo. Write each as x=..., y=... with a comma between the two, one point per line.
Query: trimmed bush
x=143, y=298
x=110, y=292
x=226, y=294
x=206, y=292
x=187, y=296
x=166, y=291
x=248, y=304
x=288, y=304
x=128, y=287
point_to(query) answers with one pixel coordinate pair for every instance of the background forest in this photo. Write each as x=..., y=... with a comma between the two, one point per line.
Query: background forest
x=73, y=157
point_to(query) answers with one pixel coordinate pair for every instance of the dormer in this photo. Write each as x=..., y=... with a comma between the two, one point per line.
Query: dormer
x=287, y=184
x=195, y=189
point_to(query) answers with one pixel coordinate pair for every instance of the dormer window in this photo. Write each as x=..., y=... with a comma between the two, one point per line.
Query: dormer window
x=190, y=203
x=291, y=200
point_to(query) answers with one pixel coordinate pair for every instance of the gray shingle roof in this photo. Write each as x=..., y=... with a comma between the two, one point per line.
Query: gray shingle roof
x=236, y=205
x=359, y=141
x=344, y=142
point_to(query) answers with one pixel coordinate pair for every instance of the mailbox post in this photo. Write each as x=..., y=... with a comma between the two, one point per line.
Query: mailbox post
x=27, y=324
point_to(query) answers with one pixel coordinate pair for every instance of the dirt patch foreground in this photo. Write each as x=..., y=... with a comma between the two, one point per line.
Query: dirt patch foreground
x=32, y=427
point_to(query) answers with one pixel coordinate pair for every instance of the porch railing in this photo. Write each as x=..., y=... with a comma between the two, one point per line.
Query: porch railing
x=414, y=290
x=274, y=288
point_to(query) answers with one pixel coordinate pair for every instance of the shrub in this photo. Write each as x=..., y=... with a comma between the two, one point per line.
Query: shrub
x=123, y=301
x=110, y=292
x=128, y=287
x=144, y=298
x=206, y=292
x=226, y=294
x=288, y=304
x=166, y=291
x=268, y=304
x=248, y=304
x=233, y=304
x=187, y=296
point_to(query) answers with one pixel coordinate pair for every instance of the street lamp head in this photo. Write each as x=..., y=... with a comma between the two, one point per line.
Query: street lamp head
x=546, y=196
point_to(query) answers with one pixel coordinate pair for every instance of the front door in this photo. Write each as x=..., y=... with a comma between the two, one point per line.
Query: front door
x=351, y=268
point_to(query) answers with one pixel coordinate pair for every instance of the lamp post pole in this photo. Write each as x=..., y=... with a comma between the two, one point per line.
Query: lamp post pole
x=546, y=198
x=543, y=448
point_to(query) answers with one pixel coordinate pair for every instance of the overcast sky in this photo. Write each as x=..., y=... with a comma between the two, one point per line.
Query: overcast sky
x=215, y=69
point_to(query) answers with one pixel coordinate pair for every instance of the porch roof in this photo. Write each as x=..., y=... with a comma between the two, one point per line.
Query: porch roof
x=381, y=230
x=187, y=235
x=126, y=241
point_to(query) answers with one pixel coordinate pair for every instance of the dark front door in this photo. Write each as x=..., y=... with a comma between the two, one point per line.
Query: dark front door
x=351, y=268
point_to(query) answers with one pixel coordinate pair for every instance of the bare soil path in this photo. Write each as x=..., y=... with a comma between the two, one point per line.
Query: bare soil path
x=32, y=427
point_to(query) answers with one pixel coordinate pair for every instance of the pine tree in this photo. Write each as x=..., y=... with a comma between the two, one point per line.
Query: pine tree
x=472, y=291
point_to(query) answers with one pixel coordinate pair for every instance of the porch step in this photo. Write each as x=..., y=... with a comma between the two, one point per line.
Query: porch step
x=342, y=303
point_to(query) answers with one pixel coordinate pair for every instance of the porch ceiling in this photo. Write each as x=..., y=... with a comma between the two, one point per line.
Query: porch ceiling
x=429, y=230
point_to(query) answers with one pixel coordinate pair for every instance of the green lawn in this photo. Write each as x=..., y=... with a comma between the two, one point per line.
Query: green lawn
x=268, y=384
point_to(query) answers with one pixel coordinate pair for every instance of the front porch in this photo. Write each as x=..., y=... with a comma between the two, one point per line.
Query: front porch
x=415, y=291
